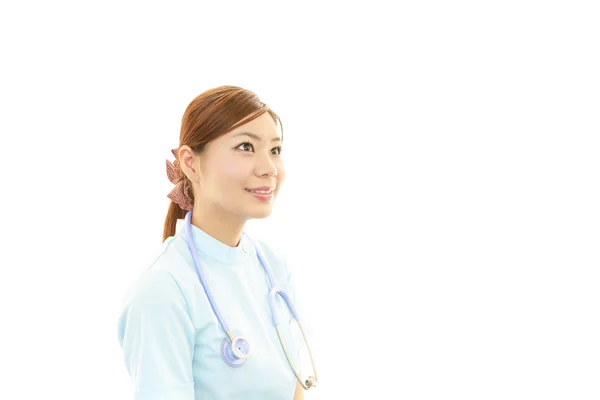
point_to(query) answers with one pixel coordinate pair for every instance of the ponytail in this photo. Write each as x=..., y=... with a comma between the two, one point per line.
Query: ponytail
x=175, y=212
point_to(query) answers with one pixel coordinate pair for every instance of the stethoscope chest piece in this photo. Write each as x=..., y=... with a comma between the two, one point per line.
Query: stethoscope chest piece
x=235, y=353
x=235, y=350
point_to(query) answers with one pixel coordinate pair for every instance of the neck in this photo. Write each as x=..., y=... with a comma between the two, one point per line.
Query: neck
x=224, y=227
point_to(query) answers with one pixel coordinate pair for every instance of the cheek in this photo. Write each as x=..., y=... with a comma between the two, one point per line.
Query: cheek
x=280, y=179
x=280, y=172
x=231, y=174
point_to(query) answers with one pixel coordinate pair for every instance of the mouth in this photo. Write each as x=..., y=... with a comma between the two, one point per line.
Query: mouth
x=261, y=194
x=269, y=191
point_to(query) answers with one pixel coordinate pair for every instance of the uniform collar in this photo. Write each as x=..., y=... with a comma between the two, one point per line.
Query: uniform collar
x=212, y=248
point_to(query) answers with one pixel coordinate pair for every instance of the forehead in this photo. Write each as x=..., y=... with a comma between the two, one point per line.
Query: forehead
x=263, y=127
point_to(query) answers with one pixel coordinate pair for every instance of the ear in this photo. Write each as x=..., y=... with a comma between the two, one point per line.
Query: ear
x=188, y=163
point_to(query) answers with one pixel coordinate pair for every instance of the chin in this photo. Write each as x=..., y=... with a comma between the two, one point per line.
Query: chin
x=259, y=215
x=257, y=212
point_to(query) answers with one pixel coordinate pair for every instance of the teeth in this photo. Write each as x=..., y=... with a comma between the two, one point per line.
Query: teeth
x=260, y=191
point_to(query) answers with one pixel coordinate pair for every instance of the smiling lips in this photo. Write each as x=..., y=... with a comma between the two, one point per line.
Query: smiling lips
x=264, y=193
x=264, y=190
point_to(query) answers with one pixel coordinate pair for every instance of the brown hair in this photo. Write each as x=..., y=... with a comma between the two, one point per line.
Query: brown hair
x=209, y=116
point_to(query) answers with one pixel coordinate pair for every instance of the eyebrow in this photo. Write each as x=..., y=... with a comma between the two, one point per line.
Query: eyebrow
x=255, y=136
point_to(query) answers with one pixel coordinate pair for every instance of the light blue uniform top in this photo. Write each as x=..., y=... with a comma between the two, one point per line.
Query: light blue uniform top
x=171, y=339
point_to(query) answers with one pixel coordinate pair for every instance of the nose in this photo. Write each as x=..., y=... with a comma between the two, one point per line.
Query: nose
x=266, y=167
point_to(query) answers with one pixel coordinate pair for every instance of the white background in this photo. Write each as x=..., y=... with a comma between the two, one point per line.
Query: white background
x=441, y=207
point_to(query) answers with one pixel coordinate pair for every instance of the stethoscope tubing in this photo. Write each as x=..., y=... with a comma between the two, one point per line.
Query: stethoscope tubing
x=273, y=292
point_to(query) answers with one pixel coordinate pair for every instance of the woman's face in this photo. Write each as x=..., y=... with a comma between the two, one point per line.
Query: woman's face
x=234, y=166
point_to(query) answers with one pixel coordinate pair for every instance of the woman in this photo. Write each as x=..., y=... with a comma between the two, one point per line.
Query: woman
x=198, y=324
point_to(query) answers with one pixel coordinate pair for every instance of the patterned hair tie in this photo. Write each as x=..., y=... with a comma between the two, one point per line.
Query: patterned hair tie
x=181, y=192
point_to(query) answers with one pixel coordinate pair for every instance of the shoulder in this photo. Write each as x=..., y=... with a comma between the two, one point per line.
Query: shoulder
x=271, y=249
x=172, y=261
x=158, y=283
x=275, y=255
x=154, y=288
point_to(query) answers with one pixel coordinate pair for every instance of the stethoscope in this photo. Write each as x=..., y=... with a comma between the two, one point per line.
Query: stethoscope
x=235, y=350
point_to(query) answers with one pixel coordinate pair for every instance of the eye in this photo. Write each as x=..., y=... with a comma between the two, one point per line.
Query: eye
x=247, y=145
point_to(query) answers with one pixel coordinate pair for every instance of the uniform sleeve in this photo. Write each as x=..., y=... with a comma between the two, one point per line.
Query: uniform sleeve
x=157, y=335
